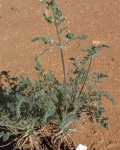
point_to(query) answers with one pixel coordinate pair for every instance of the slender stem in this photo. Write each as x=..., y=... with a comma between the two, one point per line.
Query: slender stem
x=62, y=58
x=7, y=144
x=85, y=77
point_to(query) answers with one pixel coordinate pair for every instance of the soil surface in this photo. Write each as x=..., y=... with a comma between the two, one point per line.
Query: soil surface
x=22, y=20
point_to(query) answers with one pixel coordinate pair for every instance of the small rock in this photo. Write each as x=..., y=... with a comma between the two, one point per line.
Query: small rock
x=97, y=42
x=14, y=8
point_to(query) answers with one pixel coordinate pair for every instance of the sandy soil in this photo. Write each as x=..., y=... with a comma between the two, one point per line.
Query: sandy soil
x=21, y=20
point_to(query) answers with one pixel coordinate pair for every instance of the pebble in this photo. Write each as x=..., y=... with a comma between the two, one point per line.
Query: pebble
x=14, y=9
x=97, y=42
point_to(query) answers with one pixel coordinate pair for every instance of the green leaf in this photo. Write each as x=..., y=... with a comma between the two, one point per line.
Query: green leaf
x=109, y=96
x=49, y=19
x=5, y=136
x=67, y=120
x=71, y=36
x=104, y=122
x=93, y=50
x=58, y=13
x=62, y=20
x=52, y=5
x=46, y=40
x=36, y=59
x=38, y=66
x=37, y=39
x=82, y=37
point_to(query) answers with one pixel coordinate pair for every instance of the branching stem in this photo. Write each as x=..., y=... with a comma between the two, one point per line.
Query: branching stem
x=81, y=90
x=62, y=58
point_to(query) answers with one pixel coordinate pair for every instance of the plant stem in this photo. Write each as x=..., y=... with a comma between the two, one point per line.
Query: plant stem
x=85, y=77
x=62, y=58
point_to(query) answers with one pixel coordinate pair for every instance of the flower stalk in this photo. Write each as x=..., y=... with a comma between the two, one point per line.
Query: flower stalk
x=61, y=47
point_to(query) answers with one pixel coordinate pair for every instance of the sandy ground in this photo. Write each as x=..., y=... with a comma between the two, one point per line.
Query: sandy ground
x=21, y=20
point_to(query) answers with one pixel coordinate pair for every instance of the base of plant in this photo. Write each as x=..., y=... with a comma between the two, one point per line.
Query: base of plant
x=59, y=142
x=48, y=137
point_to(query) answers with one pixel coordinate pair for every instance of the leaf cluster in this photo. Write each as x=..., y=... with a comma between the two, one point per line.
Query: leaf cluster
x=43, y=101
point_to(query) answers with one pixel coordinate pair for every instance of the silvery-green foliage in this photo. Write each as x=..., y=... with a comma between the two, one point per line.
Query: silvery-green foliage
x=47, y=100
x=43, y=101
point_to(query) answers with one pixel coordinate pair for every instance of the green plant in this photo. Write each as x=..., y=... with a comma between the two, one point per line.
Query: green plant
x=27, y=109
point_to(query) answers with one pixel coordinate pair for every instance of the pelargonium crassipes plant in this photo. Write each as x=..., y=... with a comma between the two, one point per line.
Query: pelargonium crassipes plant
x=28, y=110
